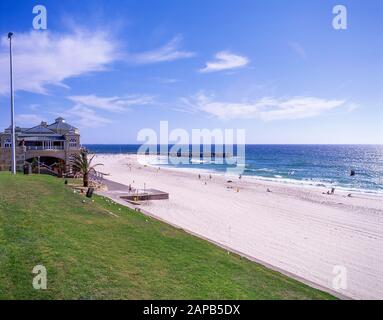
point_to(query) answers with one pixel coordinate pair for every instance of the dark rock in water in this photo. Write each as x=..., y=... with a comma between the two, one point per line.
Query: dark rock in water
x=352, y=173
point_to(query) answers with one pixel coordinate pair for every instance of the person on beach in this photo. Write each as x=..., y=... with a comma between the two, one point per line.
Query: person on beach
x=199, y=177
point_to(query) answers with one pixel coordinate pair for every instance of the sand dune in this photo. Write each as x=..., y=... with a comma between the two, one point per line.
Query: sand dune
x=295, y=228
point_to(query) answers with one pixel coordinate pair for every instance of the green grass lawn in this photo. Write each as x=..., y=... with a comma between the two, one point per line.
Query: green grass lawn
x=89, y=254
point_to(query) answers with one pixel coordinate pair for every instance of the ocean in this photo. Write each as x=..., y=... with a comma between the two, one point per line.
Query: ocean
x=317, y=165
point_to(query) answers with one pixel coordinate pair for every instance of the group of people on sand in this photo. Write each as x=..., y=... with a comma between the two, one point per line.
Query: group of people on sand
x=329, y=192
x=229, y=181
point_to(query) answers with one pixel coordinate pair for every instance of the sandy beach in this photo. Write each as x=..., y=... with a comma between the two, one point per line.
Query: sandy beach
x=297, y=229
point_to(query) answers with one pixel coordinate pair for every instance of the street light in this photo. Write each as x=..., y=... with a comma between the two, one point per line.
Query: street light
x=10, y=34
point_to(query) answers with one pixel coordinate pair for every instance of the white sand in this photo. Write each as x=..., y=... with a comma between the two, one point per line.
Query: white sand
x=295, y=228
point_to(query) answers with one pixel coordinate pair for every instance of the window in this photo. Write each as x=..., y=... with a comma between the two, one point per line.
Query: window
x=7, y=143
x=73, y=143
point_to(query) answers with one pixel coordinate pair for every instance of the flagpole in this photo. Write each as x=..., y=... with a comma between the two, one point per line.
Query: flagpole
x=12, y=106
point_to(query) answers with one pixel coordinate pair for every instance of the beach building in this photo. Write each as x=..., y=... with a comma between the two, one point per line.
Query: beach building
x=51, y=145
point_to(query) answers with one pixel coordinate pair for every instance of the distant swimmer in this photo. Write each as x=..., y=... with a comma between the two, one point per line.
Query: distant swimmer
x=352, y=173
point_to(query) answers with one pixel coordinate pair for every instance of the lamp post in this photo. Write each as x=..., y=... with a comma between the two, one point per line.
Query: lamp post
x=10, y=34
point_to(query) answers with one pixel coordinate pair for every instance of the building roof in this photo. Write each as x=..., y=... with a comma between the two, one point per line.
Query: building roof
x=39, y=129
x=61, y=126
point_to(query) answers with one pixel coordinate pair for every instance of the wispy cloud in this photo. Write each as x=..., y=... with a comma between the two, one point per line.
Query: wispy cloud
x=225, y=60
x=266, y=109
x=169, y=52
x=352, y=106
x=44, y=58
x=34, y=107
x=112, y=104
x=166, y=80
x=85, y=117
x=28, y=119
x=298, y=49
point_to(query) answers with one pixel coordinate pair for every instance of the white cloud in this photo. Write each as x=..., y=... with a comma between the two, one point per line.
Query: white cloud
x=85, y=117
x=352, y=107
x=27, y=119
x=45, y=58
x=169, y=52
x=167, y=80
x=266, y=109
x=298, y=49
x=112, y=104
x=225, y=61
x=34, y=107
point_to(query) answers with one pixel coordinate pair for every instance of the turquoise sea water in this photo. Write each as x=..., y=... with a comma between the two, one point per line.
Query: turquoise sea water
x=327, y=165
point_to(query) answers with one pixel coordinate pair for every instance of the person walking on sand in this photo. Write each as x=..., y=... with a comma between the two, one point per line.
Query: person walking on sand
x=199, y=177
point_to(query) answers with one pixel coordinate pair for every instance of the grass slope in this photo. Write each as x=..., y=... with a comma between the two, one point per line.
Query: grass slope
x=89, y=254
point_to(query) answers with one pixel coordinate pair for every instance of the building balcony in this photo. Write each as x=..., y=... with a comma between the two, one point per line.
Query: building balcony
x=45, y=148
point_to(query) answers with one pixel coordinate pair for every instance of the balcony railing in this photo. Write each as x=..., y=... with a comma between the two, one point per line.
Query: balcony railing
x=38, y=148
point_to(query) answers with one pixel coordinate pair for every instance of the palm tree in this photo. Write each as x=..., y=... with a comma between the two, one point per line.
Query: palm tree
x=83, y=165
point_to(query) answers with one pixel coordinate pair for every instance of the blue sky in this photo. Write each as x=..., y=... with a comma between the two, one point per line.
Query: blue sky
x=275, y=68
